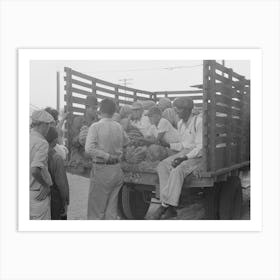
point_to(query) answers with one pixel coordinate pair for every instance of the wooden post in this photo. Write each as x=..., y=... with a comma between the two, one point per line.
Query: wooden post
x=57, y=91
x=242, y=141
x=229, y=121
x=205, y=151
x=134, y=96
x=68, y=107
x=117, y=95
x=93, y=87
x=212, y=114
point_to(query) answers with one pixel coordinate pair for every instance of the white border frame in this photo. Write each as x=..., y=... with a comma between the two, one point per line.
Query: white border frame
x=24, y=58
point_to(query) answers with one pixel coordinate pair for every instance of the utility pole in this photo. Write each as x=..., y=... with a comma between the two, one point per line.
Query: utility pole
x=126, y=82
x=57, y=91
x=223, y=63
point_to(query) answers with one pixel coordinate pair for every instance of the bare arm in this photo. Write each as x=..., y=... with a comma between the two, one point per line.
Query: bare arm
x=36, y=173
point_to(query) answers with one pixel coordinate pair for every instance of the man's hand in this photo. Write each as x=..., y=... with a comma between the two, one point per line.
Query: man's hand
x=113, y=159
x=64, y=213
x=164, y=143
x=178, y=161
x=43, y=193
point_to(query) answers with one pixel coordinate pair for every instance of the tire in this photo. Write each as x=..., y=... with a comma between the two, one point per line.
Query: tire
x=134, y=204
x=230, y=204
x=211, y=202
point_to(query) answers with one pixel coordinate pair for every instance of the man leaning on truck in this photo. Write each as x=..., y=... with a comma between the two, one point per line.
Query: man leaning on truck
x=173, y=170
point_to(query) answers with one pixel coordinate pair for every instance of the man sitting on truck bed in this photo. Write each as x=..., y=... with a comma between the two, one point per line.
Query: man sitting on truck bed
x=173, y=170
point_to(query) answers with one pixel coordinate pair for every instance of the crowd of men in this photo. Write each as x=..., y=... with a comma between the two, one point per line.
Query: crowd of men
x=102, y=135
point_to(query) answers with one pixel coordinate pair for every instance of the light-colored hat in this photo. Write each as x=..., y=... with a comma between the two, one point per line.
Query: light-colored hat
x=137, y=106
x=41, y=116
x=164, y=103
x=183, y=102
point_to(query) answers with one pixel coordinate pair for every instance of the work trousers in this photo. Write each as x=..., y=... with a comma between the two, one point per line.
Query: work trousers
x=171, y=179
x=56, y=204
x=39, y=209
x=105, y=184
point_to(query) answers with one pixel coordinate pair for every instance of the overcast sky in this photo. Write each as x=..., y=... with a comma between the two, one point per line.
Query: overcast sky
x=163, y=75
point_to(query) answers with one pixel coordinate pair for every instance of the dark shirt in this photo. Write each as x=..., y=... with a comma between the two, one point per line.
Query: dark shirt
x=58, y=174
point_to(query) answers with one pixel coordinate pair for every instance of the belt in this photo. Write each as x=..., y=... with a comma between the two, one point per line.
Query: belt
x=105, y=163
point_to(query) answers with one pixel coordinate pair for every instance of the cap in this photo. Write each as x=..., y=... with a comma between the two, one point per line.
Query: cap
x=183, y=102
x=164, y=103
x=137, y=106
x=91, y=101
x=42, y=116
x=154, y=111
x=147, y=104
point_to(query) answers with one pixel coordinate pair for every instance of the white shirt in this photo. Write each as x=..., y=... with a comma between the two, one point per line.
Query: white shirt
x=105, y=137
x=164, y=126
x=190, y=136
x=144, y=125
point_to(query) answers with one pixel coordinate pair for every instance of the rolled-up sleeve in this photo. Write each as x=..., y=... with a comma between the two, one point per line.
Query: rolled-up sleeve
x=197, y=150
x=125, y=139
x=40, y=155
x=91, y=146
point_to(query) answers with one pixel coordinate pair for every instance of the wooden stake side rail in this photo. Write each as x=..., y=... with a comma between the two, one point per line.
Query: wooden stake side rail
x=224, y=98
x=227, y=109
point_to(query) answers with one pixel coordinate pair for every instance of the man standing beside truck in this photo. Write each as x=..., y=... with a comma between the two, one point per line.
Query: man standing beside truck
x=173, y=170
x=40, y=179
x=104, y=143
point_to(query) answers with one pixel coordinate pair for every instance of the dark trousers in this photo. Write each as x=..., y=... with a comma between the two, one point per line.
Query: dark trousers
x=56, y=205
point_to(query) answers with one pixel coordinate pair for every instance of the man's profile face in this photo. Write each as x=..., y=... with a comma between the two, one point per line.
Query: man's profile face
x=137, y=113
x=91, y=111
x=45, y=128
x=183, y=113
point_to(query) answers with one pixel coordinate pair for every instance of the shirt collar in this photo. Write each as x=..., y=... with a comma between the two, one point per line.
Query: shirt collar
x=34, y=132
x=106, y=119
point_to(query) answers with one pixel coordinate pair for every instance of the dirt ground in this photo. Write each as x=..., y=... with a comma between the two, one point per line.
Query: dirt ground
x=195, y=211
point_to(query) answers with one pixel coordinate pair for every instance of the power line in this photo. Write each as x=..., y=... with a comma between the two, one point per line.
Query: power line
x=152, y=69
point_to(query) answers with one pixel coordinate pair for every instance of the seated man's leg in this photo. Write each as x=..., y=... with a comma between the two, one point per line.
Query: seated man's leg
x=176, y=179
x=164, y=168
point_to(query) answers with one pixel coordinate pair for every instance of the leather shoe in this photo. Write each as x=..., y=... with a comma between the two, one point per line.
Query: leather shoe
x=159, y=212
x=169, y=213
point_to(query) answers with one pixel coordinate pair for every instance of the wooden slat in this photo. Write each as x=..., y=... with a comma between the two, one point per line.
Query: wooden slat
x=75, y=109
x=77, y=100
x=221, y=139
x=221, y=130
x=180, y=92
x=81, y=75
x=220, y=155
x=224, y=80
x=227, y=100
x=77, y=90
x=222, y=120
x=222, y=109
x=191, y=97
x=80, y=83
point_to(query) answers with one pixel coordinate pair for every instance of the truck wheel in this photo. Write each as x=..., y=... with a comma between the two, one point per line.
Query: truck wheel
x=211, y=202
x=230, y=206
x=134, y=204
